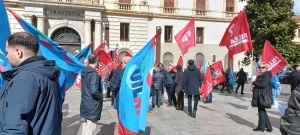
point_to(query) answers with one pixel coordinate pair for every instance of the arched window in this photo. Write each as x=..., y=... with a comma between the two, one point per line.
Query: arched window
x=199, y=57
x=167, y=56
x=68, y=38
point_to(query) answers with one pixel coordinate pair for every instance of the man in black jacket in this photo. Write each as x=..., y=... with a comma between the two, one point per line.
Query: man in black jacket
x=190, y=85
x=242, y=78
x=30, y=102
x=91, y=96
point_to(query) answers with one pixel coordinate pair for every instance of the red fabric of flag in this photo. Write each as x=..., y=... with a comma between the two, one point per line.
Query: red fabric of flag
x=219, y=72
x=207, y=85
x=273, y=59
x=180, y=61
x=237, y=36
x=186, y=37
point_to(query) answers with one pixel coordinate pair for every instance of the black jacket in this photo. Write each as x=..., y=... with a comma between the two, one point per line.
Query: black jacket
x=30, y=100
x=295, y=80
x=262, y=85
x=290, y=121
x=91, y=95
x=178, y=79
x=191, y=80
x=242, y=77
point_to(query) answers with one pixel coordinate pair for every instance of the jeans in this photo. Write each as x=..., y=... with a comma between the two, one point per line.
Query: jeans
x=209, y=98
x=275, y=94
x=156, y=97
x=196, y=98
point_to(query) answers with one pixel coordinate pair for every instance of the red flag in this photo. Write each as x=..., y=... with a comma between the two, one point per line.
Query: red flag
x=200, y=65
x=154, y=63
x=237, y=36
x=105, y=65
x=207, y=86
x=273, y=59
x=220, y=77
x=76, y=51
x=128, y=54
x=172, y=65
x=180, y=61
x=186, y=37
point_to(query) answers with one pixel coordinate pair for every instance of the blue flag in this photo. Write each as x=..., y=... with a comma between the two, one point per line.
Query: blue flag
x=82, y=56
x=204, y=65
x=135, y=89
x=231, y=78
x=51, y=50
x=257, y=64
x=4, y=34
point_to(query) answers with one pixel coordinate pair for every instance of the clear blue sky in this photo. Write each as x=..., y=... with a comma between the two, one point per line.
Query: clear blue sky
x=296, y=8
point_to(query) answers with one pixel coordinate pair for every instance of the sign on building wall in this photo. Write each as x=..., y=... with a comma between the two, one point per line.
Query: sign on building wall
x=65, y=14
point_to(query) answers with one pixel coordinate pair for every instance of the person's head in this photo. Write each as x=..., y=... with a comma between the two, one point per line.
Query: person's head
x=21, y=46
x=125, y=60
x=242, y=69
x=191, y=62
x=160, y=66
x=170, y=69
x=156, y=69
x=298, y=68
x=263, y=66
x=93, y=60
x=179, y=68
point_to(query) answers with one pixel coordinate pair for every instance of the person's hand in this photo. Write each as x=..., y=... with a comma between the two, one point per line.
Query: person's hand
x=277, y=82
x=252, y=88
x=154, y=84
x=182, y=90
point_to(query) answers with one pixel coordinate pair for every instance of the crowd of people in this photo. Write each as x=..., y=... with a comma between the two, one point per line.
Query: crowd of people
x=31, y=102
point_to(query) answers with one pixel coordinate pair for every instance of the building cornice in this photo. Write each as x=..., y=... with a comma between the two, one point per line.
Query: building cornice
x=13, y=4
x=165, y=16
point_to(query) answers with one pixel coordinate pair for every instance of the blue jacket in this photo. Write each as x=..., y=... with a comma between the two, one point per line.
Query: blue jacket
x=116, y=84
x=30, y=100
x=91, y=95
x=275, y=79
x=159, y=80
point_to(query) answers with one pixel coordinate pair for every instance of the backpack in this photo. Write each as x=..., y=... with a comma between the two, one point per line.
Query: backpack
x=169, y=80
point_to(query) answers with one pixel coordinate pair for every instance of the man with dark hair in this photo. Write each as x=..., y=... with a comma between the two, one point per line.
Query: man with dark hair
x=30, y=99
x=163, y=71
x=190, y=84
x=91, y=96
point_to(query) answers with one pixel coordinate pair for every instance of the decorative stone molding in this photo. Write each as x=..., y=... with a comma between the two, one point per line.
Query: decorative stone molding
x=87, y=20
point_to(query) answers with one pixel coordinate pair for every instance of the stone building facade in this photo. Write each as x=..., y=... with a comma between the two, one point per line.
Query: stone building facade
x=131, y=23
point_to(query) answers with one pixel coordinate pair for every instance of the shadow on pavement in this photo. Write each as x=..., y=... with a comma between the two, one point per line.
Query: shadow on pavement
x=147, y=132
x=65, y=107
x=239, y=106
x=275, y=122
x=274, y=112
x=107, y=129
x=239, y=120
x=68, y=122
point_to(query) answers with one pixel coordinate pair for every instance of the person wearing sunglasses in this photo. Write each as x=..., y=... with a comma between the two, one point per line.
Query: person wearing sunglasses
x=262, y=85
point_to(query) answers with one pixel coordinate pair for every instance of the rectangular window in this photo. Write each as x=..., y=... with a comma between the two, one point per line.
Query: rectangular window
x=298, y=33
x=168, y=33
x=200, y=5
x=168, y=3
x=124, y=31
x=199, y=35
x=229, y=5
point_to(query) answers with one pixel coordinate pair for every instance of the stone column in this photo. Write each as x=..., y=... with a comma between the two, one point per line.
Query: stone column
x=98, y=33
x=87, y=31
x=28, y=18
x=41, y=23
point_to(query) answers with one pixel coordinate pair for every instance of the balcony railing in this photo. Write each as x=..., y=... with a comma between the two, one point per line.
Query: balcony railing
x=79, y=1
x=169, y=10
x=124, y=6
x=200, y=12
x=230, y=14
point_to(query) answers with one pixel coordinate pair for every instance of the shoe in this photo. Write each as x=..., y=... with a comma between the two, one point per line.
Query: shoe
x=229, y=92
x=222, y=92
x=194, y=114
x=269, y=130
x=235, y=91
x=161, y=103
x=178, y=108
x=207, y=102
x=158, y=106
x=150, y=114
x=257, y=129
x=169, y=105
x=153, y=106
x=190, y=114
x=242, y=93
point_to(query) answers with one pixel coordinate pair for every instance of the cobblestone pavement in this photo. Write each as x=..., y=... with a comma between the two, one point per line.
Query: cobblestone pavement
x=228, y=114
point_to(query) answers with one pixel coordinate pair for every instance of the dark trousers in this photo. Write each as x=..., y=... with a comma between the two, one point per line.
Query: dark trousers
x=112, y=98
x=263, y=119
x=196, y=98
x=237, y=88
x=209, y=98
x=228, y=86
x=108, y=93
x=171, y=95
x=180, y=100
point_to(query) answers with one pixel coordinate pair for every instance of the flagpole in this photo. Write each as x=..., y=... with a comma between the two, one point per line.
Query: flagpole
x=291, y=67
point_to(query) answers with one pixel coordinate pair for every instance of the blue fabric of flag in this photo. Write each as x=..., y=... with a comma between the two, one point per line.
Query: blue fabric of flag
x=4, y=34
x=135, y=90
x=282, y=107
x=62, y=78
x=231, y=78
x=204, y=66
x=257, y=64
x=51, y=50
x=82, y=56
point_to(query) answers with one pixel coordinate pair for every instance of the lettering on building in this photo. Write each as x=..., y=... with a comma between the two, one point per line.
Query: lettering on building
x=64, y=13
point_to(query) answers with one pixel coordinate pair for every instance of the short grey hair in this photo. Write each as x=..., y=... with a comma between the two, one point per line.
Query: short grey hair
x=298, y=68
